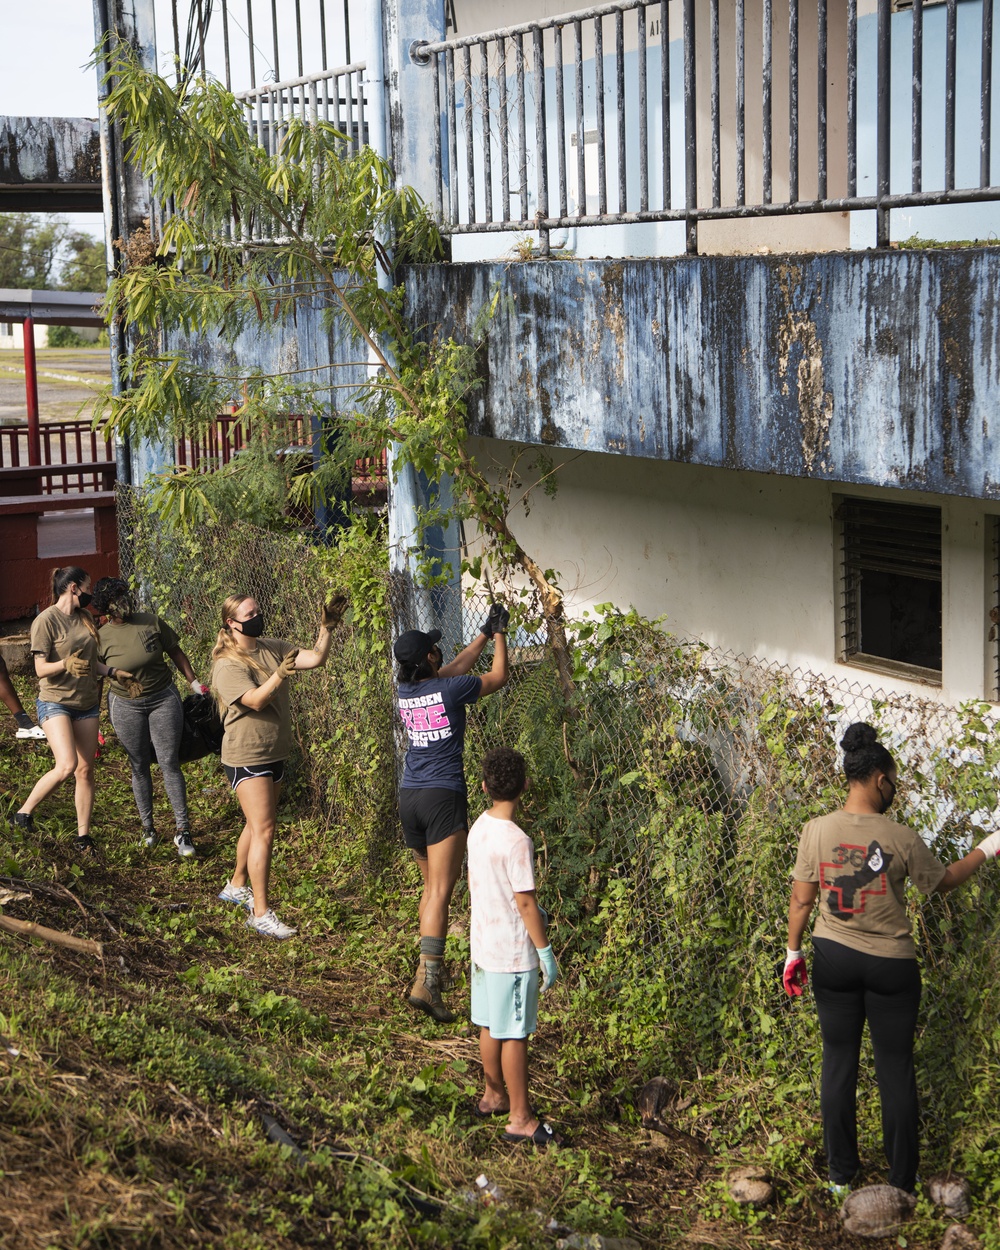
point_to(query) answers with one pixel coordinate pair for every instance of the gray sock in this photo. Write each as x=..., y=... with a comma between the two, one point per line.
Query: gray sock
x=23, y=720
x=432, y=948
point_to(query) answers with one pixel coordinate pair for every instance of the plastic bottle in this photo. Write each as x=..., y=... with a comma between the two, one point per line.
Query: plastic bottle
x=490, y=1193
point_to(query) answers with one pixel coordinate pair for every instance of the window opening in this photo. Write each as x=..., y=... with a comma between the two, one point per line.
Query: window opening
x=891, y=567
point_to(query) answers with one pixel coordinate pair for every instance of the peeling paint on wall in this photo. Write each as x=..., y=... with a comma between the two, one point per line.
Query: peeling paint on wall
x=880, y=367
x=49, y=151
x=797, y=329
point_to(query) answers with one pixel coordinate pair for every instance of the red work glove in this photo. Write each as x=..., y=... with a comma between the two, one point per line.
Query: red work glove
x=796, y=976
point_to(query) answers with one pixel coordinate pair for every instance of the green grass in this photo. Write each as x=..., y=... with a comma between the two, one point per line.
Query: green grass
x=136, y=1104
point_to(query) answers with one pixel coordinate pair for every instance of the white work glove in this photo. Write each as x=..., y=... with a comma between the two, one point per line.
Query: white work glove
x=198, y=687
x=990, y=846
x=549, y=968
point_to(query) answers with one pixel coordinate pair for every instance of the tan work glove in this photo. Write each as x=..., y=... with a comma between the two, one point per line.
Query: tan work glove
x=332, y=613
x=133, y=686
x=287, y=666
x=77, y=666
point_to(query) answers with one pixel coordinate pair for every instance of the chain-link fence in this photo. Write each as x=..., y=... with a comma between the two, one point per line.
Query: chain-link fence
x=665, y=808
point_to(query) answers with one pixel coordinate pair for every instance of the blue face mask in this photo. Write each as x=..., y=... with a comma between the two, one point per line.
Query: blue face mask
x=252, y=628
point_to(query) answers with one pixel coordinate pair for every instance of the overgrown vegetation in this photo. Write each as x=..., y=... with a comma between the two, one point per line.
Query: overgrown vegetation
x=249, y=236
x=664, y=817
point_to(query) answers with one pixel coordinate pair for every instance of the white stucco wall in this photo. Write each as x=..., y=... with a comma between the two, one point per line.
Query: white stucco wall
x=748, y=562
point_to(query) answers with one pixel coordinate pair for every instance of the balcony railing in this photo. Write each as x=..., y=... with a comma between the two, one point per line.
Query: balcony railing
x=336, y=96
x=582, y=120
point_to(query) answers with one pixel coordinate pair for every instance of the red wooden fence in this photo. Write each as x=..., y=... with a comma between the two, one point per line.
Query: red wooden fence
x=75, y=442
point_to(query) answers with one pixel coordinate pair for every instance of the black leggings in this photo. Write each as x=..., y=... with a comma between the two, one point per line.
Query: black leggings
x=850, y=988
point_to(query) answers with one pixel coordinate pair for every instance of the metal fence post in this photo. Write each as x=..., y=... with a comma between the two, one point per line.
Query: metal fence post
x=690, y=130
x=126, y=207
x=884, y=110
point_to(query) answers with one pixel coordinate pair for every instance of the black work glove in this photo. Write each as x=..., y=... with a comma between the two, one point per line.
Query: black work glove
x=497, y=621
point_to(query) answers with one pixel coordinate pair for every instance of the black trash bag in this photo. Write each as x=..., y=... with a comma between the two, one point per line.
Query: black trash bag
x=202, y=731
x=202, y=734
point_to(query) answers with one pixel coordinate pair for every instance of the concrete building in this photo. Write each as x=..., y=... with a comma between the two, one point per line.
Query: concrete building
x=12, y=336
x=773, y=428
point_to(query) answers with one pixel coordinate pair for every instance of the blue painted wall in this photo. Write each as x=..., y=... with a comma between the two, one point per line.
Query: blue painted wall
x=877, y=368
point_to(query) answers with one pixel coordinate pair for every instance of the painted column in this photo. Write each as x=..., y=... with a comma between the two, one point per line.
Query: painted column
x=410, y=120
x=127, y=208
x=31, y=395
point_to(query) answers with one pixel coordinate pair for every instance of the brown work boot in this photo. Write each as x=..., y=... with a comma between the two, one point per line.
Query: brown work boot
x=425, y=993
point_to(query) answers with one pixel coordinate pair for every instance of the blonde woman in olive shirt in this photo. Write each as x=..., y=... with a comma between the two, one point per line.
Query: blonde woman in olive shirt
x=69, y=672
x=250, y=679
x=146, y=711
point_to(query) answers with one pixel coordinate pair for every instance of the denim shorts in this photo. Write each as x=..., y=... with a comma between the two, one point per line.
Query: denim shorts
x=45, y=710
x=506, y=1003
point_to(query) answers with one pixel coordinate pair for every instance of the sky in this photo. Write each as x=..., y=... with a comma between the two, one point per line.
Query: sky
x=57, y=83
x=65, y=30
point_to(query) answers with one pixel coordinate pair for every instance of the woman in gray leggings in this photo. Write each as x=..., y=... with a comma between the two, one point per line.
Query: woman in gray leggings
x=146, y=711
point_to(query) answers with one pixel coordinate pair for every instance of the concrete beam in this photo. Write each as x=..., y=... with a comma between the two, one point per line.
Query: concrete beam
x=52, y=308
x=869, y=368
x=50, y=164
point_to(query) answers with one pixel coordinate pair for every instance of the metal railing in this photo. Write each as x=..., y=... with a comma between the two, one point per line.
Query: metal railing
x=247, y=41
x=591, y=97
x=336, y=96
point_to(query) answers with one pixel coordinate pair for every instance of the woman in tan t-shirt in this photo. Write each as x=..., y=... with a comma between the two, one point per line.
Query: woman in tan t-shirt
x=249, y=678
x=856, y=862
x=69, y=669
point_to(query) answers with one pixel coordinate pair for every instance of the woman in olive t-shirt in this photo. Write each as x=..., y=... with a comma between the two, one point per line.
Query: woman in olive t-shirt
x=249, y=677
x=146, y=712
x=69, y=671
x=856, y=861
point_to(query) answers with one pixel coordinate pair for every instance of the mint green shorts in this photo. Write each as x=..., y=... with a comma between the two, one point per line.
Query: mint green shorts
x=506, y=1003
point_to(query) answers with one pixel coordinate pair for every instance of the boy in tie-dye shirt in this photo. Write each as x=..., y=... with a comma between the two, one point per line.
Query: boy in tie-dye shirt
x=512, y=960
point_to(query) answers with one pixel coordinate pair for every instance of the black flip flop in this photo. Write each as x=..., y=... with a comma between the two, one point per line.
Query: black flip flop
x=488, y=1115
x=544, y=1135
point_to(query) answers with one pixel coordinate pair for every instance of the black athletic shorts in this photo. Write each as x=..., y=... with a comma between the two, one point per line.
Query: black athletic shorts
x=238, y=773
x=430, y=816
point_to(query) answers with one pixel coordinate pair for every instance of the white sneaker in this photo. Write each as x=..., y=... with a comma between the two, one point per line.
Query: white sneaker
x=36, y=732
x=270, y=925
x=185, y=847
x=150, y=838
x=241, y=894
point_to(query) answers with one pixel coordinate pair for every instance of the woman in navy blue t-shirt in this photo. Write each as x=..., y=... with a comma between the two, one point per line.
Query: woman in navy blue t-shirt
x=433, y=803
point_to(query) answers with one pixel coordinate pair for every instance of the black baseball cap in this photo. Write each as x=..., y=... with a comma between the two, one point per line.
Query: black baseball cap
x=415, y=645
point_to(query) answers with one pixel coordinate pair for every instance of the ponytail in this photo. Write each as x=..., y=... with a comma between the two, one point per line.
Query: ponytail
x=61, y=581
x=63, y=578
x=414, y=672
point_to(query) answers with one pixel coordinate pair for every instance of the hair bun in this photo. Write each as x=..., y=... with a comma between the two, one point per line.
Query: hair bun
x=858, y=736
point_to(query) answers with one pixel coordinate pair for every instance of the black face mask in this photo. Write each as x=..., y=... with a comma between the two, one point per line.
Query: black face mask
x=252, y=628
x=887, y=803
x=83, y=598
